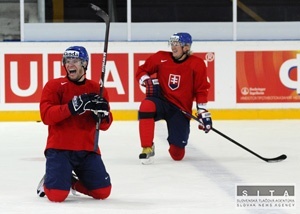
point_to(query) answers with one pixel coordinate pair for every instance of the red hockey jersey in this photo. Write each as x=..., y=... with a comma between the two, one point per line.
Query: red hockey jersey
x=181, y=82
x=65, y=131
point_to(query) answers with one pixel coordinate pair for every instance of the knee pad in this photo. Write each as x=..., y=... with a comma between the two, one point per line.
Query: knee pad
x=56, y=195
x=101, y=193
x=176, y=152
x=147, y=109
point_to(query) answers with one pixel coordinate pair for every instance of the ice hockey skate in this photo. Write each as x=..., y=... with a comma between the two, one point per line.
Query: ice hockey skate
x=74, y=181
x=40, y=188
x=147, y=155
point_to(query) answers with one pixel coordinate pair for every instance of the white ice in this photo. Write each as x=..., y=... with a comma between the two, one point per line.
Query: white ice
x=204, y=182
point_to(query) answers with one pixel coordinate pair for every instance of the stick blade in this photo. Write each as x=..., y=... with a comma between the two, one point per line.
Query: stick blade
x=277, y=159
x=100, y=12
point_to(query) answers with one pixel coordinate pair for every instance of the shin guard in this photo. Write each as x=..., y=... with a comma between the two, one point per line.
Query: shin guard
x=146, y=122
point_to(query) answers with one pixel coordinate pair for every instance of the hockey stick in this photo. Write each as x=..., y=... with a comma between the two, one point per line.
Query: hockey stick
x=105, y=17
x=269, y=160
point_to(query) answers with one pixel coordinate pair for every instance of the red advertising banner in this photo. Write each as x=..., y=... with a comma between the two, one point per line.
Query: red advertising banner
x=23, y=78
x=26, y=74
x=267, y=76
x=116, y=75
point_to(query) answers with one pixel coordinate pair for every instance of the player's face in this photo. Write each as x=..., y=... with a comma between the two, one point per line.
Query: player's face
x=74, y=68
x=177, y=50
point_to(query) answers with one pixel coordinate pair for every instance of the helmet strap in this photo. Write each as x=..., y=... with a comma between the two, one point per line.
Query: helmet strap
x=79, y=77
x=84, y=66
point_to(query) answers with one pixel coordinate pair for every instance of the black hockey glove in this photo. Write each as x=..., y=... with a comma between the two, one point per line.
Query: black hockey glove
x=101, y=107
x=80, y=104
x=205, y=117
x=152, y=87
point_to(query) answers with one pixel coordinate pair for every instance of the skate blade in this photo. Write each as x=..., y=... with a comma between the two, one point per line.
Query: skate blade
x=147, y=161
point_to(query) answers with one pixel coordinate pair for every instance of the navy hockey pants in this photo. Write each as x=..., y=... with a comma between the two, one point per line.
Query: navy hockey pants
x=88, y=166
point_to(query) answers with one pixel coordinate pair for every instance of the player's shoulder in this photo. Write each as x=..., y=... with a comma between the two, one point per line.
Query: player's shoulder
x=92, y=82
x=57, y=82
x=196, y=59
x=92, y=85
x=164, y=53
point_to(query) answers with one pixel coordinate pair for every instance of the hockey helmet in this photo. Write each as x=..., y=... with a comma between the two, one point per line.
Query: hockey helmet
x=182, y=38
x=76, y=52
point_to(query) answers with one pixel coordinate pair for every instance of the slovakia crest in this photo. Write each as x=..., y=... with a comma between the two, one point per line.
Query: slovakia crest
x=174, y=81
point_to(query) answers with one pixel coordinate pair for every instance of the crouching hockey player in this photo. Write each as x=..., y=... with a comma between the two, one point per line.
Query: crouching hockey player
x=175, y=78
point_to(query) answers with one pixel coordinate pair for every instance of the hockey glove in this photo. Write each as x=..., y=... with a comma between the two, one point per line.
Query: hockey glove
x=80, y=104
x=101, y=107
x=205, y=118
x=152, y=87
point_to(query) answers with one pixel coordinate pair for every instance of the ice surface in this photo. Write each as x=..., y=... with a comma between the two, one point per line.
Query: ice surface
x=204, y=182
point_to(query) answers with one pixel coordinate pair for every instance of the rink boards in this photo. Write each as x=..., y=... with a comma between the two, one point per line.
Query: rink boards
x=249, y=79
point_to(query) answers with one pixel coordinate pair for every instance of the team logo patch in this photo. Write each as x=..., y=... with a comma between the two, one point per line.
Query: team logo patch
x=174, y=81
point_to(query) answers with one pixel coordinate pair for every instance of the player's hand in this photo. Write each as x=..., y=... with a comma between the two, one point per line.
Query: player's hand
x=205, y=118
x=100, y=106
x=101, y=109
x=152, y=87
x=80, y=104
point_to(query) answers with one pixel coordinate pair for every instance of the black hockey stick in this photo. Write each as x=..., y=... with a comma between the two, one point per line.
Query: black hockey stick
x=105, y=17
x=269, y=160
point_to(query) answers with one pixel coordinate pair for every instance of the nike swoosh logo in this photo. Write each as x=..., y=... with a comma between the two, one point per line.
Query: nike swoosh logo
x=163, y=60
x=62, y=83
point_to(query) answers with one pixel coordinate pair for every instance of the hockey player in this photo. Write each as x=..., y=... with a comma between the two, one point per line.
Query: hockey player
x=69, y=106
x=175, y=78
